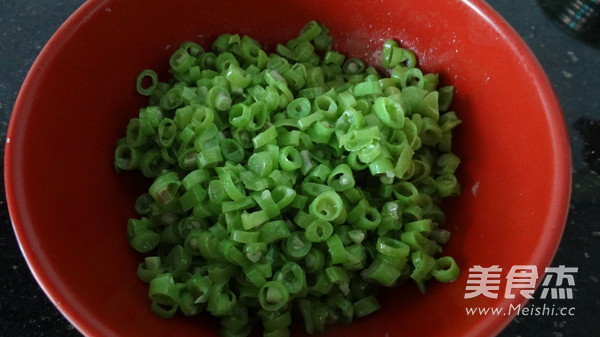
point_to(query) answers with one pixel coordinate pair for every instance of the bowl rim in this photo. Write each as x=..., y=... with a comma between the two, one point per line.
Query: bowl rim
x=494, y=324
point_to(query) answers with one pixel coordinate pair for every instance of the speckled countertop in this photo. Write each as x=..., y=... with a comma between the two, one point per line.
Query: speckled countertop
x=573, y=68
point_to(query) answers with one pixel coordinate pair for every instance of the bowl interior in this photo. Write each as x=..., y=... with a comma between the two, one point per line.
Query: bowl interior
x=70, y=208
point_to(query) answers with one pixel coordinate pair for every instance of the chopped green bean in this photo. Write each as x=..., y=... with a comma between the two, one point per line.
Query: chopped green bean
x=295, y=180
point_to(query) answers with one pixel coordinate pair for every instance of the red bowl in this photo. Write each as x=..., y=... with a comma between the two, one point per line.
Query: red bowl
x=69, y=207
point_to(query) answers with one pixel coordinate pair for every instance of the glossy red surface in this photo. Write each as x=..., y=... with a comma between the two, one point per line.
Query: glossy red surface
x=69, y=208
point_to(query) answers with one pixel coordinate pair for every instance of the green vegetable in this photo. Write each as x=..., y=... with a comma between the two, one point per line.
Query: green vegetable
x=296, y=181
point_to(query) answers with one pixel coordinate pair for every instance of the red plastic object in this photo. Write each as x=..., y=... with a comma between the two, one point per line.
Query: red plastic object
x=70, y=208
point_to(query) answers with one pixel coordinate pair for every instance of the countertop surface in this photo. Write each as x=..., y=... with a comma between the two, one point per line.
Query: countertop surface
x=573, y=68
